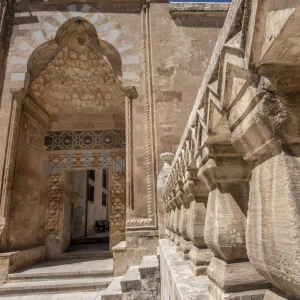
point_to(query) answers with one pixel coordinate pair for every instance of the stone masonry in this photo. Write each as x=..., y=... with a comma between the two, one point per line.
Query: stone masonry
x=192, y=108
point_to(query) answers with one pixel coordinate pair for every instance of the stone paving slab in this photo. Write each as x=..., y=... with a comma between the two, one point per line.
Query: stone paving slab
x=60, y=296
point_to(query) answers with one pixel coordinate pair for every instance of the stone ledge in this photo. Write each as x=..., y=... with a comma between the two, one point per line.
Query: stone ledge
x=198, y=8
x=19, y=259
x=146, y=233
x=149, y=267
x=113, y=291
x=120, y=247
x=178, y=281
x=131, y=281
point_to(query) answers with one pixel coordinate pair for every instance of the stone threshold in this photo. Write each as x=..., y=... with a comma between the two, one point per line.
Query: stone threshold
x=198, y=8
x=178, y=281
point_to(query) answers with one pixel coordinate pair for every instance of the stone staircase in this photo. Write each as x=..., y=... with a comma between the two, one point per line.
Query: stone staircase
x=139, y=282
x=65, y=276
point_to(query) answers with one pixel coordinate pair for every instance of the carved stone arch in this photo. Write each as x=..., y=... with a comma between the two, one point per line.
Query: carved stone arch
x=76, y=71
x=44, y=53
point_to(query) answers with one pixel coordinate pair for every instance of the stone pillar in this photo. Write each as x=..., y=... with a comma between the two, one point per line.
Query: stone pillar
x=185, y=244
x=141, y=217
x=230, y=274
x=167, y=159
x=197, y=193
x=270, y=137
x=177, y=210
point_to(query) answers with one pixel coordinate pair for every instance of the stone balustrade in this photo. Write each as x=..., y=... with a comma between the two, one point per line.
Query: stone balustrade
x=231, y=196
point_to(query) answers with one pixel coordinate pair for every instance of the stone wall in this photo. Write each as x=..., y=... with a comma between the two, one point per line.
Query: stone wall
x=7, y=11
x=29, y=193
x=181, y=43
x=157, y=50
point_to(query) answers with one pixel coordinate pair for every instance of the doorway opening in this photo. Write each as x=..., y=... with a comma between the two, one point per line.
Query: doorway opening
x=87, y=211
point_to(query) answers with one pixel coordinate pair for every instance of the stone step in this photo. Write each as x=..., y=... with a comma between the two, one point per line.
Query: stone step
x=149, y=267
x=93, y=240
x=50, y=286
x=61, y=275
x=85, y=255
x=114, y=291
x=131, y=281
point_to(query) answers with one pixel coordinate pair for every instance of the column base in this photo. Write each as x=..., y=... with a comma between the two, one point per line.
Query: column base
x=199, y=260
x=218, y=294
x=184, y=249
x=172, y=237
x=234, y=279
x=177, y=241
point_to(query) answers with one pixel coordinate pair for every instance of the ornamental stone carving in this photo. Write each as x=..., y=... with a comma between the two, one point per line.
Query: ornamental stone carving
x=70, y=73
x=85, y=140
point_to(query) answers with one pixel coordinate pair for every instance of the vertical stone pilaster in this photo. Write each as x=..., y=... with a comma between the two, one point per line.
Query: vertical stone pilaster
x=117, y=201
x=141, y=219
x=9, y=168
x=130, y=95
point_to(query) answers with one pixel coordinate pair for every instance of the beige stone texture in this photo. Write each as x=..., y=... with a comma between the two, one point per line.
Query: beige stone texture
x=247, y=101
x=231, y=193
x=79, y=213
x=27, y=218
x=181, y=47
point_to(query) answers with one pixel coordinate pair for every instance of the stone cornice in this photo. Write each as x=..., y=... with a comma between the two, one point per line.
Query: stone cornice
x=198, y=8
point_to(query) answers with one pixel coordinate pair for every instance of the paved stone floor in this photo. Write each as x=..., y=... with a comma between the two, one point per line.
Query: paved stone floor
x=70, y=270
x=60, y=296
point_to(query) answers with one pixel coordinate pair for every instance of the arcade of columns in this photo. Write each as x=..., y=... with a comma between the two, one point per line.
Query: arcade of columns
x=231, y=195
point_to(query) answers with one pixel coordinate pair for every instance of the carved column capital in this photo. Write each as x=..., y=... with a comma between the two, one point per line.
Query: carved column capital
x=131, y=92
x=272, y=122
x=226, y=168
x=194, y=187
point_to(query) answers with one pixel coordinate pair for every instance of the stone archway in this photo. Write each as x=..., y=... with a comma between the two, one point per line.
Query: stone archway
x=113, y=160
x=71, y=75
x=70, y=84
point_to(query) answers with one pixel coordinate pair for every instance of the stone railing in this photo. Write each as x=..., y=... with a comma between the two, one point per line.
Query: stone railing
x=231, y=198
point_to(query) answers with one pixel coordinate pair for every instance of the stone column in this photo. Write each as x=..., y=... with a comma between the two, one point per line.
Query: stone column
x=171, y=207
x=141, y=218
x=182, y=242
x=230, y=274
x=197, y=193
x=177, y=210
x=193, y=195
x=167, y=159
x=270, y=137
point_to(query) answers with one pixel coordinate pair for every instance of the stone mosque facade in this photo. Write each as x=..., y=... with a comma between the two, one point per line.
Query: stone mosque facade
x=188, y=111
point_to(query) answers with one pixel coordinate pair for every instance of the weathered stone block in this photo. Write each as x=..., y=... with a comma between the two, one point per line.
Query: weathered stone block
x=235, y=277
